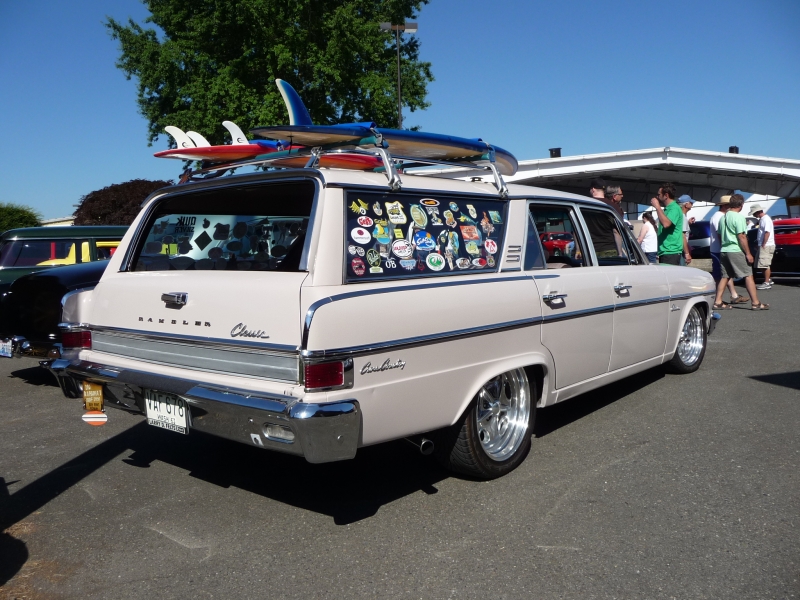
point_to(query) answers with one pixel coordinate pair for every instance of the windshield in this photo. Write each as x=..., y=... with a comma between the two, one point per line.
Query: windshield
x=32, y=253
x=246, y=228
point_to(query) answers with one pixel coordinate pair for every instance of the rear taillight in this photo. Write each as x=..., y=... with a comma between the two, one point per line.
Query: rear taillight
x=76, y=339
x=324, y=375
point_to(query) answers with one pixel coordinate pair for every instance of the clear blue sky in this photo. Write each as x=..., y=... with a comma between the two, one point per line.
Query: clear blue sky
x=526, y=75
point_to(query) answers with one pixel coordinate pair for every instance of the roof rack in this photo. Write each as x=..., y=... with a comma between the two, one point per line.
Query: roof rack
x=391, y=163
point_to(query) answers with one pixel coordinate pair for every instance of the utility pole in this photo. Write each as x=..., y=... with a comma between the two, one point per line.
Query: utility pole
x=410, y=28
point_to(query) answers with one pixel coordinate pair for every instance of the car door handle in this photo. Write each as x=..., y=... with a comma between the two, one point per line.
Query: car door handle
x=553, y=296
x=622, y=287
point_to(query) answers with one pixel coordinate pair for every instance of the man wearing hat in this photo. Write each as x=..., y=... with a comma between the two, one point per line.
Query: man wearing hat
x=716, y=247
x=766, y=244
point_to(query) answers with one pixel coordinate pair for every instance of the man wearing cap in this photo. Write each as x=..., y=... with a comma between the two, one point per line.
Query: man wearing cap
x=671, y=241
x=735, y=254
x=766, y=244
x=716, y=247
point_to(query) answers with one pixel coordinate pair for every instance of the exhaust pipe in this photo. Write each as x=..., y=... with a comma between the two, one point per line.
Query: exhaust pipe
x=424, y=445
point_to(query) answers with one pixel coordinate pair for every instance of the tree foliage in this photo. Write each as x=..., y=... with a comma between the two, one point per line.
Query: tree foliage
x=116, y=204
x=13, y=216
x=214, y=60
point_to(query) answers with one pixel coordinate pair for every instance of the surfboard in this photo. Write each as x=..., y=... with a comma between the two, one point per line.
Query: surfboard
x=225, y=153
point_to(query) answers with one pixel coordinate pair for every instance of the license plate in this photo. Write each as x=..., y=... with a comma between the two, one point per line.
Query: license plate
x=92, y=396
x=167, y=411
x=6, y=349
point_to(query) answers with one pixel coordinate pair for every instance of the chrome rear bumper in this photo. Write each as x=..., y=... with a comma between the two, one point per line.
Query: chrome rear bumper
x=323, y=432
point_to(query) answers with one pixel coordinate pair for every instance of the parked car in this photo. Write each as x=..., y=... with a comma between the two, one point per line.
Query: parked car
x=32, y=249
x=786, y=260
x=557, y=243
x=700, y=239
x=315, y=312
x=30, y=312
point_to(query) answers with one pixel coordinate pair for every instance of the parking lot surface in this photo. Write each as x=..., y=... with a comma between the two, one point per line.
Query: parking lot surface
x=659, y=486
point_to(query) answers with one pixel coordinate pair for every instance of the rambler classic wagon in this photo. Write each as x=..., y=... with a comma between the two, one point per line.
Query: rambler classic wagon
x=317, y=311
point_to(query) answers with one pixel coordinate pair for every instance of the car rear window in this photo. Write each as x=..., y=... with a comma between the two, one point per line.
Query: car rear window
x=393, y=235
x=243, y=228
x=30, y=253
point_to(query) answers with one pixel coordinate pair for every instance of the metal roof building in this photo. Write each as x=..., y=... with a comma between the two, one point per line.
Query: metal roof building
x=704, y=175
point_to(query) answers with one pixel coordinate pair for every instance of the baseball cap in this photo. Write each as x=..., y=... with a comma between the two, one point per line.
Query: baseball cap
x=686, y=199
x=598, y=183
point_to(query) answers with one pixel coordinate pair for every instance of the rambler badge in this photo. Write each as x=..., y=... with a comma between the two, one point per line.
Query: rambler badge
x=386, y=366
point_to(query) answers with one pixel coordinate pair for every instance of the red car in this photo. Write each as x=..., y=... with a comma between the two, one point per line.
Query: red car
x=786, y=261
x=556, y=243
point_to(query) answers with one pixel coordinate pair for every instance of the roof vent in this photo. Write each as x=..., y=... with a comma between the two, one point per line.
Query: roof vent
x=555, y=152
x=733, y=150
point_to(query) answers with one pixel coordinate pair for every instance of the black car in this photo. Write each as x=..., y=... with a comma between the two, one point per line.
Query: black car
x=700, y=239
x=31, y=309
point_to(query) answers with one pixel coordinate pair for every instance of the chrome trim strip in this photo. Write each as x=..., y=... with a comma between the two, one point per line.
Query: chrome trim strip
x=423, y=340
x=635, y=303
x=587, y=312
x=220, y=344
x=691, y=295
x=404, y=288
x=546, y=276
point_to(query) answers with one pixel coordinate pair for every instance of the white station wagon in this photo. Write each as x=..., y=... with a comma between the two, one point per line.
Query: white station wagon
x=318, y=311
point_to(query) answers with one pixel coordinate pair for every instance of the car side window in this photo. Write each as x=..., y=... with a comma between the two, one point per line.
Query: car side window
x=610, y=242
x=534, y=255
x=561, y=243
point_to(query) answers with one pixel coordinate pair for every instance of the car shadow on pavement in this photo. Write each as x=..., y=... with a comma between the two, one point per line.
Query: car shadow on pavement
x=35, y=376
x=790, y=379
x=551, y=418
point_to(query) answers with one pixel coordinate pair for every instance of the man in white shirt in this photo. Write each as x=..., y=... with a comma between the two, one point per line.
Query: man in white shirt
x=766, y=244
x=716, y=248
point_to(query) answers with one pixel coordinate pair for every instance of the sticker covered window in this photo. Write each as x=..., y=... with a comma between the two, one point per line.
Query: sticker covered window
x=391, y=235
x=248, y=228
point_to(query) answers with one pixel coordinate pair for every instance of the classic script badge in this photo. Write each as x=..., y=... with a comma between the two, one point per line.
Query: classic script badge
x=386, y=366
x=241, y=330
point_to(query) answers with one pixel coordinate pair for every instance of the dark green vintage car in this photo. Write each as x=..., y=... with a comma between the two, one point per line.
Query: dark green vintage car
x=32, y=249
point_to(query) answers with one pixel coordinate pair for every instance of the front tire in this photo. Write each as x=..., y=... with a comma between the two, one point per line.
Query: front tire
x=493, y=436
x=691, y=345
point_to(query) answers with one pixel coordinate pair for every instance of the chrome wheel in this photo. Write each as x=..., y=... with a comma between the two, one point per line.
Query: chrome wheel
x=502, y=414
x=691, y=342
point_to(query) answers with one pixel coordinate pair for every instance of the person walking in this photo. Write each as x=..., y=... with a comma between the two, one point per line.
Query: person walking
x=736, y=259
x=671, y=241
x=716, y=247
x=766, y=244
x=648, y=239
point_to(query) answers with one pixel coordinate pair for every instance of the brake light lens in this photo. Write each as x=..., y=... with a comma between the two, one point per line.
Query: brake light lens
x=324, y=375
x=76, y=339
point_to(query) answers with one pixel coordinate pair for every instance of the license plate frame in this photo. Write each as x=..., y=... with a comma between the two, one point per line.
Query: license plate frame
x=6, y=349
x=166, y=411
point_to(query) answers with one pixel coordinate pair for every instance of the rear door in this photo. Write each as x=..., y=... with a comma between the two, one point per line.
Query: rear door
x=577, y=300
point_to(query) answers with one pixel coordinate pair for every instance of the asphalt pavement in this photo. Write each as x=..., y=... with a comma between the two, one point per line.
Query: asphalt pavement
x=659, y=486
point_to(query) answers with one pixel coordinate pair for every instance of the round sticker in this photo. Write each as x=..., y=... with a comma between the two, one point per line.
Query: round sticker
x=351, y=249
x=365, y=221
x=373, y=258
x=472, y=248
x=360, y=236
x=419, y=216
x=358, y=266
x=463, y=263
x=382, y=234
x=435, y=261
x=479, y=262
x=429, y=202
x=491, y=246
x=454, y=206
x=424, y=241
x=402, y=248
x=490, y=261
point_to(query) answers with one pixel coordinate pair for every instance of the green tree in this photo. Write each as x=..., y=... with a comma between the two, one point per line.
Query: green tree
x=116, y=204
x=13, y=216
x=214, y=60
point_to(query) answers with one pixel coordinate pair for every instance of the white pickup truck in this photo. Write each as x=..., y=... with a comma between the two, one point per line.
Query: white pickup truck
x=317, y=311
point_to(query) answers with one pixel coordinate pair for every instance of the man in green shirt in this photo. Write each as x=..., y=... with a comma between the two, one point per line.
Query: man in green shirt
x=671, y=241
x=735, y=256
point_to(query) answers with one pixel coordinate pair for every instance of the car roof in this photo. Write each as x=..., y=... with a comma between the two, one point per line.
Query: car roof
x=411, y=182
x=68, y=231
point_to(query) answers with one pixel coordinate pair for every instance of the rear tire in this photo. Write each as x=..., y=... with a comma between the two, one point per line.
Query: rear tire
x=692, y=343
x=493, y=436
